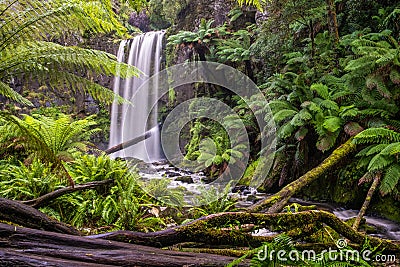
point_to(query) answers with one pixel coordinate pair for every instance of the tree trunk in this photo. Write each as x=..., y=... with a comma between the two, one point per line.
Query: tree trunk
x=332, y=21
x=18, y=213
x=312, y=37
x=370, y=194
x=28, y=247
x=277, y=202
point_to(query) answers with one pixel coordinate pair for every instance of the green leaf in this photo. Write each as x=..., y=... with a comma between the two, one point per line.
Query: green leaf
x=333, y=124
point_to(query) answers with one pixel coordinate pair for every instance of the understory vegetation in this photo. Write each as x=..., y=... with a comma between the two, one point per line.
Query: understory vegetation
x=329, y=70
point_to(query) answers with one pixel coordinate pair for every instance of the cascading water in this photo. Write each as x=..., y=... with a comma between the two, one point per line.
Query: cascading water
x=145, y=53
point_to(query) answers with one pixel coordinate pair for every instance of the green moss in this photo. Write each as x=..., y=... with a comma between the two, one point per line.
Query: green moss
x=249, y=173
x=386, y=207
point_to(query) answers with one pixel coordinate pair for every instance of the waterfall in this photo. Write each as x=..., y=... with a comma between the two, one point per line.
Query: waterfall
x=127, y=121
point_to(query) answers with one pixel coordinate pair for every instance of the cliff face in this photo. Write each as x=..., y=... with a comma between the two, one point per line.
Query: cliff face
x=190, y=16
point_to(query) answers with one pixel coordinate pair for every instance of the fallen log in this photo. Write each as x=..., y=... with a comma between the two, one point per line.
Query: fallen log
x=29, y=247
x=203, y=230
x=129, y=143
x=276, y=202
x=45, y=199
x=18, y=213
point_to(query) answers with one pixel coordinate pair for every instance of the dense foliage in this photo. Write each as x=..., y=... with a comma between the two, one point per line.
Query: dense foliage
x=330, y=71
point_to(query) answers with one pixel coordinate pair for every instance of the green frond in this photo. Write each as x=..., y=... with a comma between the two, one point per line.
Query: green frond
x=284, y=115
x=285, y=131
x=378, y=83
x=330, y=105
x=321, y=89
x=390, y=179
x=37, y=20
x=8, y=92
x=25, y=51
x=256, y=3
x=391, y=149
x=277, y=105
x=371, y=150
x=395, y=76
x=47, y=138
x=379, y=162
x=301, y=118
x=377, y=135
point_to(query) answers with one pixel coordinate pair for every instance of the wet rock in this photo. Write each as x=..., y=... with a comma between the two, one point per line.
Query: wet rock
x=142, y=166
x=140, y=20
x=185, y=179
x=246, y=192
x=252, y=198
x=172, y=174
x=240, y=189
x=207, y=180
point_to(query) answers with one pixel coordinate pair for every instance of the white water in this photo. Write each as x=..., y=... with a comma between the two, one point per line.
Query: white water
x=127, y=122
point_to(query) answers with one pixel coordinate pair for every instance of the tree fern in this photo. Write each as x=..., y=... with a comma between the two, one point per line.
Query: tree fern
x=48, y=139
x=25, y=50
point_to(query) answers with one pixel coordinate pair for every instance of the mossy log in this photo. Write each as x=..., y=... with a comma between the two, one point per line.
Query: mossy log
x=204, y=230
x=29, y=247
x=18, y=213
x=45, y=199
x=275, y=203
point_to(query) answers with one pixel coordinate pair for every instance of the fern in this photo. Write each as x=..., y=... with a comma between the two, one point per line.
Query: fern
x=256, y=3
x=48, y=139
x=377, y=135
x=390, y=179
x=25, y=49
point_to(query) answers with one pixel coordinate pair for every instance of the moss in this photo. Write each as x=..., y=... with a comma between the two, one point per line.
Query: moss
x=249, y=173
x=386, y=207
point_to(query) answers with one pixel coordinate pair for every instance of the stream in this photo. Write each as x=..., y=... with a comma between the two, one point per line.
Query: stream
x=191, y=182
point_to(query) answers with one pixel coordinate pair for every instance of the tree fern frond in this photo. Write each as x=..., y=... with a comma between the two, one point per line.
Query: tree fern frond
x=27, y=25
x=8, y=92
x=321, y=89
x=284, y=115
x=377, y=135
x=391, y=149
x=371, y=150
x=390, y=179
x=377, y=82
x=379, y=162
x=60, y=80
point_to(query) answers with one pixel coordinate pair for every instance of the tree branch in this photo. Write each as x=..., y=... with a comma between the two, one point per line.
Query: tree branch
x=45, y=199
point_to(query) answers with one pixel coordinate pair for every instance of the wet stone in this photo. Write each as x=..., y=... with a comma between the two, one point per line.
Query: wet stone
x=185, y=179
x=172, y=174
